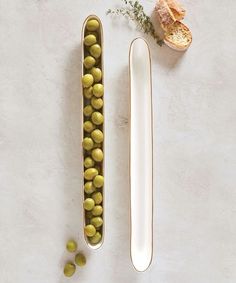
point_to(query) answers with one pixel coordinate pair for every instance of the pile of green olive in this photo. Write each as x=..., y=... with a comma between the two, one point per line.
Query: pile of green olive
x=93, y=137
x=79, y=259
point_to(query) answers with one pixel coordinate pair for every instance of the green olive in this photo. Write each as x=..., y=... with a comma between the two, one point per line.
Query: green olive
x=98, y=168
x=89, y=230
x=88, y=162
x=69, y=269
x=97, y=210
x=87, y=143
x=88, y=92
x=71, y=246
x=99, y=228
x=97, y=145
x=92, y=25
x=97, y=118
x=97, y=154
x=97, y=103
x=96, y=238
x=98, y=90
x=89, y=214
x=93, y=33
x=96, y=73
x=88, y=152
x=97, y=136
x=98, y=181
x=89, y=62
x=96, y=222
x=95, y=50
x=87, y=80
x=88, y=110
x=88, y=126
x=98, y=61
x=89, y=204
x=90, y=40
x=89, y=187
x=90, y=173
x=97, y=197
x=80, y=259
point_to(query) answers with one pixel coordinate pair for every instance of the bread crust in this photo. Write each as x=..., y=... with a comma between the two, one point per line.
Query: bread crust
x=178, y=37
x=177, y=9
x=165, y=15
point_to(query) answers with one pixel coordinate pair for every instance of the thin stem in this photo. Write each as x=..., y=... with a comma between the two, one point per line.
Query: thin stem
x=133, y=10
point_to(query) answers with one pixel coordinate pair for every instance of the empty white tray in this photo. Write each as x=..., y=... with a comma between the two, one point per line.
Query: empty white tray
x=141, y=155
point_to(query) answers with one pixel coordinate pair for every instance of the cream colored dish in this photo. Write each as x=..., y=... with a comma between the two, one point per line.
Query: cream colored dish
x=100, y=65
x=141, y=155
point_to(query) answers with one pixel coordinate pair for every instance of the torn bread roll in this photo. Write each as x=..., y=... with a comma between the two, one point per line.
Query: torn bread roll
x=178, y=36
x=177, y=9
x=164, y=14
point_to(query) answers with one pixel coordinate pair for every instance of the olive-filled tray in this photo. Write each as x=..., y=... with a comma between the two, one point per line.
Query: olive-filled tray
x=93, y=131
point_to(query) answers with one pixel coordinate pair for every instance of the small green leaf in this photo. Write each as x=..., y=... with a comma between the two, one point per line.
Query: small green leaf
x=134, y=11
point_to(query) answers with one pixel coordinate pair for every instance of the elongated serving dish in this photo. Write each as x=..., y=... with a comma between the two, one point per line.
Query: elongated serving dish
x=141, y=155
x=99, y=165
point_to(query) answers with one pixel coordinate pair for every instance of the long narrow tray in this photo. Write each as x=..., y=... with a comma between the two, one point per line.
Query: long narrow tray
x=141, y=155
x=100, y=41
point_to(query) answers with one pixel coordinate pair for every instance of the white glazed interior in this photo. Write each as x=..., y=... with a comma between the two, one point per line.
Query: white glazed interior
x=141, y=171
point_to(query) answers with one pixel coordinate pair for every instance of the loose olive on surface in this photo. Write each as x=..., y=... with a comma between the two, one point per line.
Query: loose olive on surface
x=69, y=269
x=90, y=40
x=88, y=92
x=80, y=259
x=92, y=25
x=87, y=143
x=97, y=154
x=89, y=187
x=88, y=162
x=88, y=126
x=98, y=181
x=89, y=204
x=87, y=80
x=89, y=230
x=96, y=238
x=98, y=90
x=95, y=50
x=96, y=222
x=90, y=173
x=88, y=110
x=97, y=197
x=97, y=210
x=97, y=118
x=89, y=62
x=97, y=103
x=96, y=73
x=97, y=136
x=71, y=246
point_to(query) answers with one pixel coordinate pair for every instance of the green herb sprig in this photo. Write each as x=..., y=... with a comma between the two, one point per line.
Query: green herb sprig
x=134, y=11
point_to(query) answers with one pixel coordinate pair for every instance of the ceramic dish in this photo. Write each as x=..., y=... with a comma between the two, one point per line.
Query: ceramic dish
x=141, y=155
x=100, y=65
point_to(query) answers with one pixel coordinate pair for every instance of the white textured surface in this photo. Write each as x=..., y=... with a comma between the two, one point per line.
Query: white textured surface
x=195, y=146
